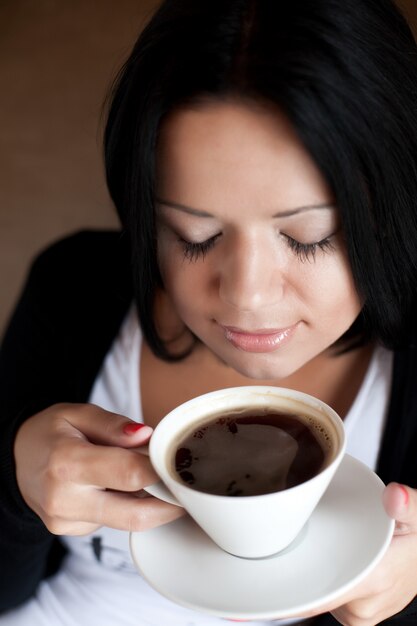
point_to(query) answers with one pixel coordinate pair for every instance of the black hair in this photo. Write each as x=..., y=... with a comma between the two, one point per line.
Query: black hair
x=345, y=74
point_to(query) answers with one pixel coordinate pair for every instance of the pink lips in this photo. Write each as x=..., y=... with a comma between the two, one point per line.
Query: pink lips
x=264, y=340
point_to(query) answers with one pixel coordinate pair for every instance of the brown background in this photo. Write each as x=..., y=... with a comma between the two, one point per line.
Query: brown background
x=57, y=60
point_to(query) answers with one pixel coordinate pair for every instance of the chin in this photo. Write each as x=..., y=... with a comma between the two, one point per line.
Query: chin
x=261, y=368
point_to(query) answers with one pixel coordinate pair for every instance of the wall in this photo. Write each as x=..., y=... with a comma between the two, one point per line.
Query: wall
x=57, y=61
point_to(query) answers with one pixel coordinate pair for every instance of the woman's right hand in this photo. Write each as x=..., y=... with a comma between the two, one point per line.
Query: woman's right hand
x=78, y=468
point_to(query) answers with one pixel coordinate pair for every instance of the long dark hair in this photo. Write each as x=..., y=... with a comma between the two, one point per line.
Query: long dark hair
x=345, y=74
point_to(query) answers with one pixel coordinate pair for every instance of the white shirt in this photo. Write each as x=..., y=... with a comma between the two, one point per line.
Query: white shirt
x=98, y=582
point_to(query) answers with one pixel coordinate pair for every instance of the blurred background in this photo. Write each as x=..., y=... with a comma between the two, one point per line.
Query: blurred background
x=57, y=61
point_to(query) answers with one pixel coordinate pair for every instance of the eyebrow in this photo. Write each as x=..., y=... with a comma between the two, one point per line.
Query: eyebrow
x=201, y=213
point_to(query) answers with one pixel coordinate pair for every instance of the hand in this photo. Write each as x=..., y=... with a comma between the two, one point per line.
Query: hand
x=392, y=585
x=77, y=468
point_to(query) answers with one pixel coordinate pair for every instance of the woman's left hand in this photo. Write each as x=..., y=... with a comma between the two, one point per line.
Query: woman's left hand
x=392, y=585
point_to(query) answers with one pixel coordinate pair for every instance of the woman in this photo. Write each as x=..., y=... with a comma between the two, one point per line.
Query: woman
x=262, y=159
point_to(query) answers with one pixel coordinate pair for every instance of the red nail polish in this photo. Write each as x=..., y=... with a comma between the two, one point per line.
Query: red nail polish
x=405, y=494
x=131, y=428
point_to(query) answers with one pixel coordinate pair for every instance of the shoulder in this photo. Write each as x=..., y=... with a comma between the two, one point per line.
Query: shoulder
x=84, y=260
x=79, y=277
x=86, y=249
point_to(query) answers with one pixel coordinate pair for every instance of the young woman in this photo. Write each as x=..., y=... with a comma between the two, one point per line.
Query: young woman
x=262, y=157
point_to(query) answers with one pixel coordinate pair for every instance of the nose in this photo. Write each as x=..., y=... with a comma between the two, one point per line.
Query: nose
x=251, y=276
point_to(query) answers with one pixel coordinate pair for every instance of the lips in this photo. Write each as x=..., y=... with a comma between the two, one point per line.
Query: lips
x=259, y=340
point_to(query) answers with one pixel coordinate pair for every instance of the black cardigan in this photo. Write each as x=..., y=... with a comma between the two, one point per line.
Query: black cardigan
x=76, y=296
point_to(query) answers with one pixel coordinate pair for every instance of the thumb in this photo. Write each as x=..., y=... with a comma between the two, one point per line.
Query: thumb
x=400, y=503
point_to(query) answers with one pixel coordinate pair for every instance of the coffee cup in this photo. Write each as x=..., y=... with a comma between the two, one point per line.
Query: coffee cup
x=249, y=464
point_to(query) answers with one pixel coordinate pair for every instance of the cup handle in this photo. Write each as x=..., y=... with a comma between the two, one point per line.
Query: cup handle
x=159, y=490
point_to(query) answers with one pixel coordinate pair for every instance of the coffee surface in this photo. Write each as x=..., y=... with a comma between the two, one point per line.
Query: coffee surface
x=249, y=454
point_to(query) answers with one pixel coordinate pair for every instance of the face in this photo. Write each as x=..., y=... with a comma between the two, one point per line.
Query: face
x=249, y=241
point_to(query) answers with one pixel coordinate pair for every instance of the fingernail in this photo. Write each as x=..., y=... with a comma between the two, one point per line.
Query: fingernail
x=405, y=494
x=131, y=428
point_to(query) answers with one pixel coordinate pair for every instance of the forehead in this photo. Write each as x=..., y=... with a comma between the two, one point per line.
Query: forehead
x=223, y=152
x=227, y=129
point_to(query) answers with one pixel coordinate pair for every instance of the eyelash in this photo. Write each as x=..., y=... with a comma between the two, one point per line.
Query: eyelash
x=307, y=251
x=304, y=251
x=193, y=251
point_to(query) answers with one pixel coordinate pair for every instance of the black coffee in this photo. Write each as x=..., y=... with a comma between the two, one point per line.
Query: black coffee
x=249, y=454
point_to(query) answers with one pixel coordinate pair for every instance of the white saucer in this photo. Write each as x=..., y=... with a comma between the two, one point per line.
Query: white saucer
x=344, y=539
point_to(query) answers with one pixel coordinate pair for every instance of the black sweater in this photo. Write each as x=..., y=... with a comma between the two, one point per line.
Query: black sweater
x=76, y=296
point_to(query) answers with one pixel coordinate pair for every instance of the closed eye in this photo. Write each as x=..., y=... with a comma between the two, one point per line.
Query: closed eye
x=307, y=251
x=304, y=251
x=194, y=250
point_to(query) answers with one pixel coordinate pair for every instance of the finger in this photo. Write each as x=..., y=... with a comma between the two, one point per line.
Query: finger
x=104, y=427
x=106, y=467
x=400, y=503
x=124, y=511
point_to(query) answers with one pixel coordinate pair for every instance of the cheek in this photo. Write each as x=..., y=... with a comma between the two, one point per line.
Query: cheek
x=334, y=292
x=182, y=281
x=325, y=289
x=170, y=262
x=186, y=281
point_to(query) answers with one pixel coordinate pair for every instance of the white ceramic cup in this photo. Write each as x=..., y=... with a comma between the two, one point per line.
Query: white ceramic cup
x=248, y=526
